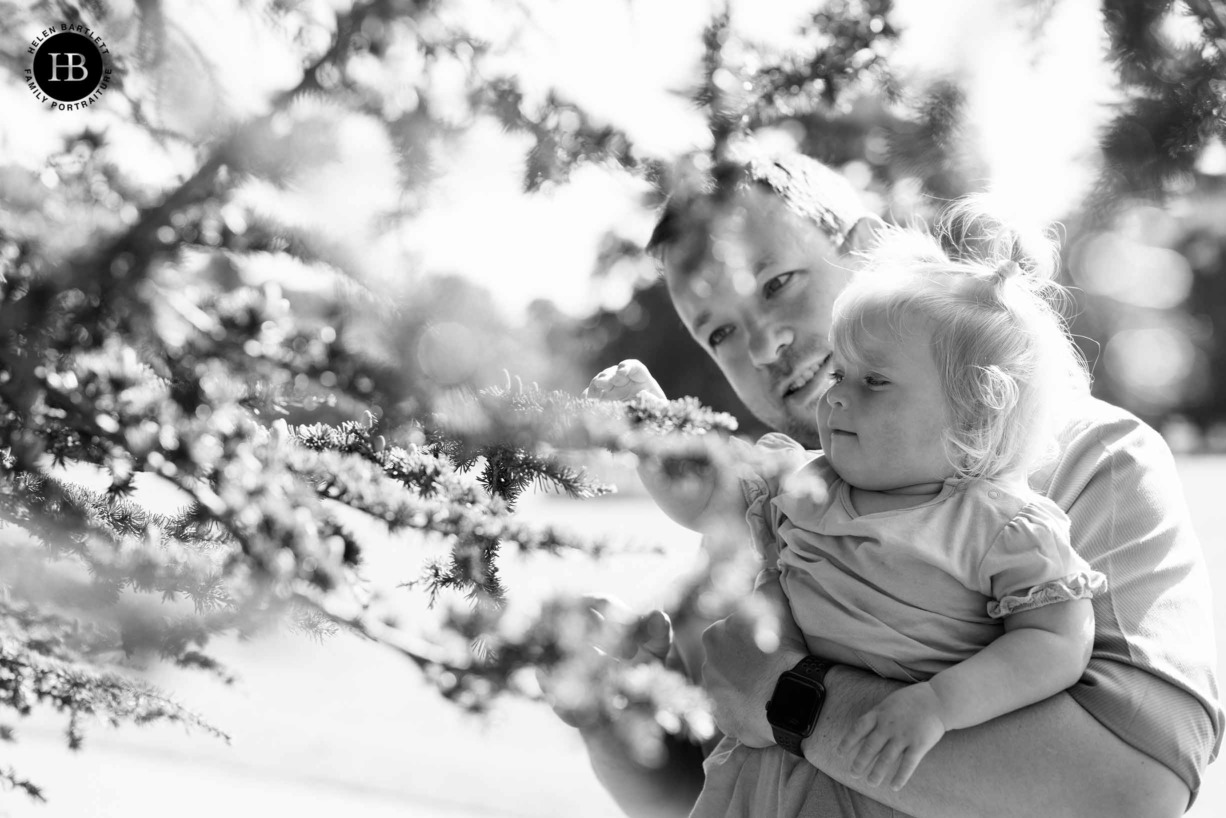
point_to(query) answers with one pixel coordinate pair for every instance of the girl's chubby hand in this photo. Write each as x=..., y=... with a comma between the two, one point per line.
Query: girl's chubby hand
x=623, y=382
x=890, y=740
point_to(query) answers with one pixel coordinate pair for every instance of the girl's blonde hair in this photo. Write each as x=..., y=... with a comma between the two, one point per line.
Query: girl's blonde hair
x=986, y=293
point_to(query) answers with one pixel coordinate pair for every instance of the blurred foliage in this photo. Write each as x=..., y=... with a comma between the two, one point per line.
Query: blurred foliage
x=204, y=284
x=175, y=311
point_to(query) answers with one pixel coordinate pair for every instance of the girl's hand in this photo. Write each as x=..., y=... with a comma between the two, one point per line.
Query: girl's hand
x=894, y=736
x=623, y=382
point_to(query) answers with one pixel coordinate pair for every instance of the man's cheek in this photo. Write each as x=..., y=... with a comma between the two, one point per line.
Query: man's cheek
x=752, y=393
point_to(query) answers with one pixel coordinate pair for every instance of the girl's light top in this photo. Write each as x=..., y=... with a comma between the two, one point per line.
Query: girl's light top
x=909, y=592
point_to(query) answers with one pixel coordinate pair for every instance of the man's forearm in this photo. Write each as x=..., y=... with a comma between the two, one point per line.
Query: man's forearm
x=1049, y=759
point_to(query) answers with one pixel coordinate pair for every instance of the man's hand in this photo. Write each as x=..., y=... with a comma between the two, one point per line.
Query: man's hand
x=625, y=636
x=640, y=789
x=894, y=736
x=686, y=500
x=625, y=381
x=645, y=638
x=739, y=673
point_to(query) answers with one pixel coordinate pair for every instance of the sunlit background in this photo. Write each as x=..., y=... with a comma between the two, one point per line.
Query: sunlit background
x=431, y=234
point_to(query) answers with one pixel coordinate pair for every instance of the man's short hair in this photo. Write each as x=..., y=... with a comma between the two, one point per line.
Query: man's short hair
x=808, y=188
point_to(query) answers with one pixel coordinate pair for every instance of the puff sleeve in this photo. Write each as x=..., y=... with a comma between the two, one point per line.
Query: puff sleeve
x=764, y=467
x=1032, y=563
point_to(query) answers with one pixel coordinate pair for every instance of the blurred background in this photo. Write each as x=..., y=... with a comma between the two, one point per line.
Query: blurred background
x=461, y=188
x=481, y=176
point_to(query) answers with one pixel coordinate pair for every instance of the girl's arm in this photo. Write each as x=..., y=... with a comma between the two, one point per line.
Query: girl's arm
x=1042, y=652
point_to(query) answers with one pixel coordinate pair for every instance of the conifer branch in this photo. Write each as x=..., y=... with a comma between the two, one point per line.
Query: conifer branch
x=10, y=780
x=39, y=654
x=426, y=656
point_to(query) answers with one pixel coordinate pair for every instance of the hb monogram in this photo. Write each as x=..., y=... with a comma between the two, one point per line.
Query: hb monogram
x=73, y=62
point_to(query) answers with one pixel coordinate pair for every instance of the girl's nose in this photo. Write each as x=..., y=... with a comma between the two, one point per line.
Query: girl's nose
x=836, y=396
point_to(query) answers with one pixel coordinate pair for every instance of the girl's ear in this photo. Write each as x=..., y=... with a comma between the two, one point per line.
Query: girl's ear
x=864, y=234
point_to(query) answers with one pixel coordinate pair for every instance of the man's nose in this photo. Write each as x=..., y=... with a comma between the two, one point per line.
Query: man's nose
x=767, y=342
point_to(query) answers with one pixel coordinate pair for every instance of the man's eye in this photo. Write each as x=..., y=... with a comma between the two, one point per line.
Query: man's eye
x=718, y=336
x=777, y=283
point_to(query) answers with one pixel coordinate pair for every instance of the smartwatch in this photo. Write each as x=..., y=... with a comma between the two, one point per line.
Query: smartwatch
x=797, y=702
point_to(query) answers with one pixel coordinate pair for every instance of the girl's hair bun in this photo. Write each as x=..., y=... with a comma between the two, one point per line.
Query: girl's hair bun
x=971, y=230
x=1007, y=270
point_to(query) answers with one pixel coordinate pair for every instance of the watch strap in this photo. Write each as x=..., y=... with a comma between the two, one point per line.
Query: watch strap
x=788, y=740
x=814, y=668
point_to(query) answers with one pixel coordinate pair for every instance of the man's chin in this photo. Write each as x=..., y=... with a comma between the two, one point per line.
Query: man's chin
x=800, y=413
x=800, y=424
x=804, y=434
x=795, y=418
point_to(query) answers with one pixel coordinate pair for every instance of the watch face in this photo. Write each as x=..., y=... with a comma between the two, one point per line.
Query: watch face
x=795, y=705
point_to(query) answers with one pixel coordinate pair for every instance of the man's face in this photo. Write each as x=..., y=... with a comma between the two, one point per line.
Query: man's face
x=761, y=308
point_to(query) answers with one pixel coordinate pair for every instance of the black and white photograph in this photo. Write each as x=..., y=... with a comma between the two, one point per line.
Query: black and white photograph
x=612, y=408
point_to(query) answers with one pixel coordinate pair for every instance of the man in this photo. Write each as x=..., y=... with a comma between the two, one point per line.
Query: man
x=753, y=272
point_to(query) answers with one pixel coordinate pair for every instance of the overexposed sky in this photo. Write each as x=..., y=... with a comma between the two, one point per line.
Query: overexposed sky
x=623, y=62
x=479, y=223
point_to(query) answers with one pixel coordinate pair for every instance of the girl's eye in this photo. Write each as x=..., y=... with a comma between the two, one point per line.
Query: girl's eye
x=837, y=376
x=875, y=380
x=777, y=283
x=718, y=336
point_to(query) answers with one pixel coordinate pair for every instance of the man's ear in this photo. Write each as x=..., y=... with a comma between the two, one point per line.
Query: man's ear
x=864, y=234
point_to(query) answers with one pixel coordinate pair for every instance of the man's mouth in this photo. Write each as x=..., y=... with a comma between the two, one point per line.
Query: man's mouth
x=804, y=377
